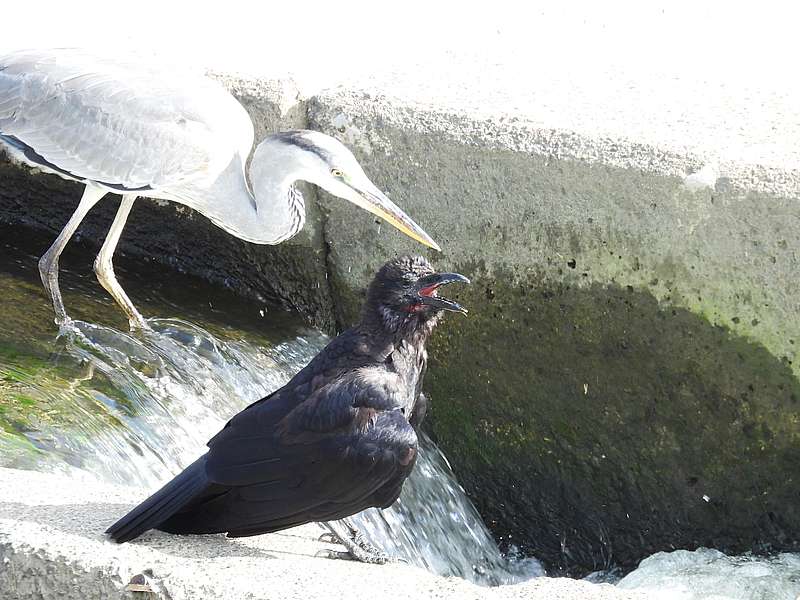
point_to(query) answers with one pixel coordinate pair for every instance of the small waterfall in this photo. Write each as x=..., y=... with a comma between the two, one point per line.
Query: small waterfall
x=142, y=407
x=435, y=526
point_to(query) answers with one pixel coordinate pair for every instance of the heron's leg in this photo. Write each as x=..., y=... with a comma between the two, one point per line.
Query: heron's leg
x=358, y=548
x=104, y=267
x=48, y=264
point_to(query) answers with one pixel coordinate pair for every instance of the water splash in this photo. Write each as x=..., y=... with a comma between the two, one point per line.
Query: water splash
x=434, y=514
x=164, y=392
x=707, y=574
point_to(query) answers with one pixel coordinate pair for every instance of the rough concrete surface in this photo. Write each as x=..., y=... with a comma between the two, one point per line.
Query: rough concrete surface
x=627, y=381
x=52, y=547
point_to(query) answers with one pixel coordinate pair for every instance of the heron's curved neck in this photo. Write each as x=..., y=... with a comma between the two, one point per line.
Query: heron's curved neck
x=271, y=214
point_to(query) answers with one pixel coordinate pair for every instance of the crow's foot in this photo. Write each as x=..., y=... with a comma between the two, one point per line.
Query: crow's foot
x=358, y=547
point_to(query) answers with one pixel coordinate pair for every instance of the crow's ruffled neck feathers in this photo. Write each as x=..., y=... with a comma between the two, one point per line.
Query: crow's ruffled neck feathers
x=387, y=321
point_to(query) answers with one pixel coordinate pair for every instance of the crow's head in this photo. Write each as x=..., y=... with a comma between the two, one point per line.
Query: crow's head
x=404, y=293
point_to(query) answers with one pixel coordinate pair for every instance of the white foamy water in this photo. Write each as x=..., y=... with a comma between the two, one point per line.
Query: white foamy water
x=434, y=510
x=707, y=574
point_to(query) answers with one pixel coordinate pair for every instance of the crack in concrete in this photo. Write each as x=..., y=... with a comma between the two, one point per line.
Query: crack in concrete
x=329, y=271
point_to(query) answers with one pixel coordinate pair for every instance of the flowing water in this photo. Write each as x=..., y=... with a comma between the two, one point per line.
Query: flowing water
x=96, y=401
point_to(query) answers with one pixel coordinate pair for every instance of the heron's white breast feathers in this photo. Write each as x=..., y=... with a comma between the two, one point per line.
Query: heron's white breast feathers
x=120, y=122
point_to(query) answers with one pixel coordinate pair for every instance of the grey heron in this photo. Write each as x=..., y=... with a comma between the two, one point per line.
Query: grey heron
x=129, y=128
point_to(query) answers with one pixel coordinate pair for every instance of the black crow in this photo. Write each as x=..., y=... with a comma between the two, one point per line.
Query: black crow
x=335, y=440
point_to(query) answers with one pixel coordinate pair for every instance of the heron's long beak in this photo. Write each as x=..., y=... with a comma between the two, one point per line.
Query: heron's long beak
x=378, y=204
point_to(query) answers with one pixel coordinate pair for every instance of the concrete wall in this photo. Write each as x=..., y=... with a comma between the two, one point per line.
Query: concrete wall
x=626, y=381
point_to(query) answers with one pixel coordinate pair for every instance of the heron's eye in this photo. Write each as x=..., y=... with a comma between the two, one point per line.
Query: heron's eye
x=336, y=172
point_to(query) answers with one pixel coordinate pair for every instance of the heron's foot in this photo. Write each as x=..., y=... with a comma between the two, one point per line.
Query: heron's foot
x=65, y=325
x=138, y=323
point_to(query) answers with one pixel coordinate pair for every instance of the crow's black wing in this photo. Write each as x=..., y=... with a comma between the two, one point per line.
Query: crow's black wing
x=347, y=447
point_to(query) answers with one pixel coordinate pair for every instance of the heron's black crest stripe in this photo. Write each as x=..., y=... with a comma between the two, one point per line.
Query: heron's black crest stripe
x=38, y=159
x=299, y=139
x=298, y=207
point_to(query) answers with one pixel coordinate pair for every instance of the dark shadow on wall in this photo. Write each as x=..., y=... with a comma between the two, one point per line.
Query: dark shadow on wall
x=593, y=426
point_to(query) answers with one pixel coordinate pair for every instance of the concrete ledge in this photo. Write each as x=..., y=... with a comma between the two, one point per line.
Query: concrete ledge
x=631, y=350
x=536, y=134
x=52, y=547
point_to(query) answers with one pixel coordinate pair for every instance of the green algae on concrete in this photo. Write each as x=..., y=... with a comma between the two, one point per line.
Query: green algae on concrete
x=594, y=425
x=61, y=393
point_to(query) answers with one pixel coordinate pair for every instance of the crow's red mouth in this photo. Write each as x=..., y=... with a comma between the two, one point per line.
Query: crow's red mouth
x=427, y=294
x=430, y=290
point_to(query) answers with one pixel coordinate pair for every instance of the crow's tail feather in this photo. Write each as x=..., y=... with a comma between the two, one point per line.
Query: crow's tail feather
x=163, y=504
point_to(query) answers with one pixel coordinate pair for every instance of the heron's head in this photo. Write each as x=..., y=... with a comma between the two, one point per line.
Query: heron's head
x=323, y=160
x=405, y=294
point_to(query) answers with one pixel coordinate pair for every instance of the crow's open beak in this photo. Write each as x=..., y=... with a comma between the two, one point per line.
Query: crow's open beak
x=376, y=202
x=427, y=288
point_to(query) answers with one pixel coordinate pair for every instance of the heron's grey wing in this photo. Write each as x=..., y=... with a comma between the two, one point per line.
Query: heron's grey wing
x=118, y=122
